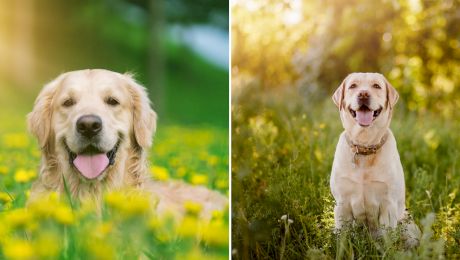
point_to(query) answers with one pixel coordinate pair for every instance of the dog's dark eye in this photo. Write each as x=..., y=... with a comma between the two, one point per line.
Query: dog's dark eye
x=68, y=102
x=376, y=86
x=112, y=101
x=352, y=86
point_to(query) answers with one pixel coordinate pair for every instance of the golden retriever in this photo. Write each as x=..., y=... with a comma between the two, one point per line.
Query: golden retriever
x=95, y=128
x=367, y=179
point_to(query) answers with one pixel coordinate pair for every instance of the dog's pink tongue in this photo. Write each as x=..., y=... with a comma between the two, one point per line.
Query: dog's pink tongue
x=364, y=117
x=91, y=166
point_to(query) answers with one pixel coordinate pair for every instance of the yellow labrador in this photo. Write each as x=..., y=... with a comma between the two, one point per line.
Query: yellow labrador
x=95, y=128
x=367, y=179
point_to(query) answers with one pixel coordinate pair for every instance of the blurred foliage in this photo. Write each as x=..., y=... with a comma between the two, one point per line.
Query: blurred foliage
x=313, y=45
x=192, y=12
x=118, y=35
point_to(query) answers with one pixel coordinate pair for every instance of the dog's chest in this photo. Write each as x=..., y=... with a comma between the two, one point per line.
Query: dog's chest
x=365, y=188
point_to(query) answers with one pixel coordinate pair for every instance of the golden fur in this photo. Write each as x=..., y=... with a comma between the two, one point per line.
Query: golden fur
x=132, y=123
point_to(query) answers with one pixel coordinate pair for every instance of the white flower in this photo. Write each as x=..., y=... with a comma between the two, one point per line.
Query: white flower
x=284, y=217
x=290, y=221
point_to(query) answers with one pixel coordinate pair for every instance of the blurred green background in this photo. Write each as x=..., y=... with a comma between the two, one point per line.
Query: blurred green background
x=177, y=49
x=313, y=45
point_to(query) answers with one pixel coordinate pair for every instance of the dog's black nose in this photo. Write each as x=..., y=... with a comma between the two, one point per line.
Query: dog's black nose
x=363, y=98
x=89, y=125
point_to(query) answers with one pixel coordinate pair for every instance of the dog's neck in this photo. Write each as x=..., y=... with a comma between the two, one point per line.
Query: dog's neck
x=358, y=149
x=365, y=136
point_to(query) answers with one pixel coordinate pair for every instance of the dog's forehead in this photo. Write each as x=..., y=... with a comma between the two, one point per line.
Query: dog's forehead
x=365, y=78
x=90, y=81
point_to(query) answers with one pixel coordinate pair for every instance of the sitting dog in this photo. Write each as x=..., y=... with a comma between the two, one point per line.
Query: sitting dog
x=94, y=128
x=367, y=179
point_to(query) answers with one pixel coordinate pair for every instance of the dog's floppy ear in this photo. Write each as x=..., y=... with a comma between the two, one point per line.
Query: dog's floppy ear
x=339, y=95
x=39, y=120
x=392, y=94
x=144, y=118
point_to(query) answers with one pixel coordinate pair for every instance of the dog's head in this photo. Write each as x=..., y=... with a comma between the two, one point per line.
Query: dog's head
x=365, y=101
x=89, y=115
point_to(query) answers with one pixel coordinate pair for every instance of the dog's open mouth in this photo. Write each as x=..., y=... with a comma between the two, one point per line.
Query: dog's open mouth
x=364, y=115
x=92, y=162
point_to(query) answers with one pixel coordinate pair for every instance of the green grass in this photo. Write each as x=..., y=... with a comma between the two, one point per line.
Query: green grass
x=59, y=228
x=282, y=152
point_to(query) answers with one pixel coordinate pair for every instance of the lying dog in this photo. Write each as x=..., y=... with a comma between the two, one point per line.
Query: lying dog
x=95, y=128
x=367, y=178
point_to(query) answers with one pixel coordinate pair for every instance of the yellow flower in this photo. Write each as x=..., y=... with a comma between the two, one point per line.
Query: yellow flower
x=131, y=204
x=159, y=173
x=188, y=227
x=199, y=179
x=23, y=176
x=197, y=254
x=217, y=214
x=215, y=233
x=192, y=207
x=18, y=218
x=47, y=246
x=101, y=250
x=3, y=170
x=5, y=197
x=222, y=184
x=18, y=249
x=64, y=215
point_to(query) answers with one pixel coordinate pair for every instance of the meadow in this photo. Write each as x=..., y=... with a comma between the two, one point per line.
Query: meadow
x=283, y=144
x=59, y=228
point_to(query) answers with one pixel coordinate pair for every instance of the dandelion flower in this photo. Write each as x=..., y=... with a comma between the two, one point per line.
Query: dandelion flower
x=64, y=215
x=199, y=179
x=130, y=204
x=188, y=227
x=5, y=197
x=159, y=173
x=23, y=176
x=18, y=218
x=193, y=208
x=18, y=249
x=215, y=233
x=222, y=184
x=47, y=246
x=3, y=170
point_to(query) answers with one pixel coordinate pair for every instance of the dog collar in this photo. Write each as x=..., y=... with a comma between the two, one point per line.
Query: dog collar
x=366, y=150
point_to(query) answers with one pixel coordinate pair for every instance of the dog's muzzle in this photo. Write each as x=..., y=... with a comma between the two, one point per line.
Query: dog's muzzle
x=91, y=162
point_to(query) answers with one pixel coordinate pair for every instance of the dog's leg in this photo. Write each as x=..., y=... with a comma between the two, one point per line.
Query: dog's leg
x=343, y=215
x=410, y=231
x=388, y=215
